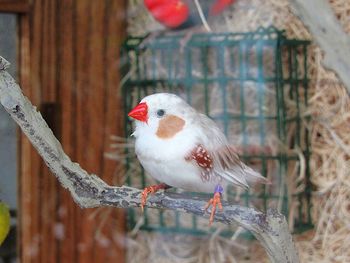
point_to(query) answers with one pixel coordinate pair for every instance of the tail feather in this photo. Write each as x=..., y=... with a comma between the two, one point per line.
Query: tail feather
x=236, y=178
x=254, y=177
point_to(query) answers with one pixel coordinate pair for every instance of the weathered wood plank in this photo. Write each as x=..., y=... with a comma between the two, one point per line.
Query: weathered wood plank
x=25, y=150
x=66, y=75
x=14, y=6
x=73, y=64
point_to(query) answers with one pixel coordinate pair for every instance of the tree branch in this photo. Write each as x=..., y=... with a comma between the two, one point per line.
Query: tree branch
x=326, y=30
x=88, y=190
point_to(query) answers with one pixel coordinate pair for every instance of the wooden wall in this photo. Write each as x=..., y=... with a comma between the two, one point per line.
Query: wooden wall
x=68, y=62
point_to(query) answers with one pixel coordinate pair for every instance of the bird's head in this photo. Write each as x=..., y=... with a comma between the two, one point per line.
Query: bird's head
x=162, y=114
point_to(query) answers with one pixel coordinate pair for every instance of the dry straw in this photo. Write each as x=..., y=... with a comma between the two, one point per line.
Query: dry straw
x=329, y=107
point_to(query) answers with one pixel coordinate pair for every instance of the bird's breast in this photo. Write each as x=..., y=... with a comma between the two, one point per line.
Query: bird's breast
x=178, y=173
x=165, y=160
x=159, y=148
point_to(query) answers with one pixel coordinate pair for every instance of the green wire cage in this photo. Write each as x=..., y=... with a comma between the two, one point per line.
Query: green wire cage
x=254, y=86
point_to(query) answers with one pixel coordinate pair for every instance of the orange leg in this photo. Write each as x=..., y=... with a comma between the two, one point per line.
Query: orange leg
x=151, y=189
x=215, y=201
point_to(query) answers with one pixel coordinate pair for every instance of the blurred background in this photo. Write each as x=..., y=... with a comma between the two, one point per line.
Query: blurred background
x=8, y=141
x=254, y=68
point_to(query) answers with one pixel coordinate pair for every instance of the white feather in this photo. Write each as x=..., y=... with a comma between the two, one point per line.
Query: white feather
x=164, y=159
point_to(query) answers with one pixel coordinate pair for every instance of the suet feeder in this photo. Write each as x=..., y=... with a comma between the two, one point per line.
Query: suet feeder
x=254, y=86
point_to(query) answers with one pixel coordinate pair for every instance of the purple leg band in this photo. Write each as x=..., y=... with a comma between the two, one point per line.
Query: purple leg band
x=219, y=189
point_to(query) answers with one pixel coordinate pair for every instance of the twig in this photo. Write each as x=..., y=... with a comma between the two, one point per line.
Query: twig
x=201, y=15
x=318, y=16
x=88, y=190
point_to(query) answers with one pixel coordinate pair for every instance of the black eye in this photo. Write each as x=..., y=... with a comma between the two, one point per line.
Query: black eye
x=160, y=113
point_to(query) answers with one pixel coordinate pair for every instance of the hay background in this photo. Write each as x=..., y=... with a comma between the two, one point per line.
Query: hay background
x=329, y=107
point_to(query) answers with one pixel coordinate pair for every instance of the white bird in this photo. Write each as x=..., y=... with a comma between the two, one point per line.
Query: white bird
x=183, y=148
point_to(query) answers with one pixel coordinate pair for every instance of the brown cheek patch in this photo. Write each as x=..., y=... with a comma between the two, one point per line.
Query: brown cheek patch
x=169, y=126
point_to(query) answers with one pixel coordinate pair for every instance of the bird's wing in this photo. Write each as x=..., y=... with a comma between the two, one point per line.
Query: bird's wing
x=218, y=163
x=227, y=162
x=224, y=159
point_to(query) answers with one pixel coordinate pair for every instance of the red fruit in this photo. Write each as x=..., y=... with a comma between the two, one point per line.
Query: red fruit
x=171, y=13
x=150, y=4
x=220, y=6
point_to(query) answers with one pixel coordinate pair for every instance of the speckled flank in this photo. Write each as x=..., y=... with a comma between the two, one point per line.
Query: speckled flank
x=169, y=126
x=203, y=159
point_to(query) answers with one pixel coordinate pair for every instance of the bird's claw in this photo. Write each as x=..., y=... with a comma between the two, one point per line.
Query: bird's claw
x=151, y=190
x=215, y=201
x=144, y=194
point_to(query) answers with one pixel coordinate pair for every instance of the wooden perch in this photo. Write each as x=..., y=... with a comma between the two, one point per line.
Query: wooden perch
x=326, y=30
x=88, y=190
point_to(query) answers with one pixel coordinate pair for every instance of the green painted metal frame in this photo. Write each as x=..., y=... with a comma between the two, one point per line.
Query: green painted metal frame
x=164, y=50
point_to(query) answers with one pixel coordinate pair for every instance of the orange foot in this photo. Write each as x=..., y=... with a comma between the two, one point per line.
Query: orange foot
x=215, y=201
x=151, y=189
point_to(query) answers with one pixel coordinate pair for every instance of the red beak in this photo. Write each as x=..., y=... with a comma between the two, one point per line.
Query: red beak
x=140, y=112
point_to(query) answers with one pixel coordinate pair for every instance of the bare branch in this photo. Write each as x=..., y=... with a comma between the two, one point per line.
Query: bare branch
x=318, y=16
x=88, y=190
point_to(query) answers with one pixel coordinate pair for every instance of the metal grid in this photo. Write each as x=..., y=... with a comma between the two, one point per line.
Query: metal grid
x=254, y=86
